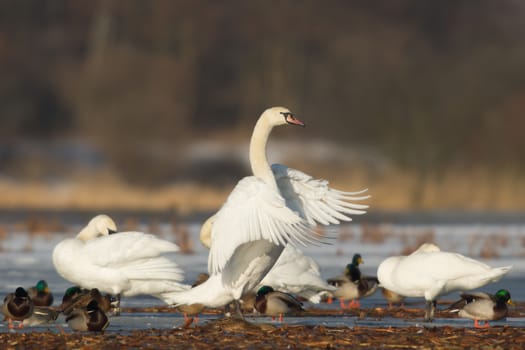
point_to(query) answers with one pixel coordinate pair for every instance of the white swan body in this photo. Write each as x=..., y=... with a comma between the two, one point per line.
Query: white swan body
x=297, y=274
x=259, y=218
x=127, y=263
x=430, y=274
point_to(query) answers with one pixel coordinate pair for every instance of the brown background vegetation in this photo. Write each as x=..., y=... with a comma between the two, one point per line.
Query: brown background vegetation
x=429, y=94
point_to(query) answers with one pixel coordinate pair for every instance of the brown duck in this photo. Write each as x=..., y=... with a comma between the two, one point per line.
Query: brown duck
x=91, y=318
x=40, y=294
x=17, y=306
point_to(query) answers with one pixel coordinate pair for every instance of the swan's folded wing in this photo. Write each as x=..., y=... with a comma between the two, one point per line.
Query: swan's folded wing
x=124, y=247
x=314, y=200
x=252, y=212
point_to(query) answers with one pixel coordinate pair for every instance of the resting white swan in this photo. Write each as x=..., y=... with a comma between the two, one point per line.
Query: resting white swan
x=127, y=263
x=264, y=212
x=297, y=274
x=430, y=273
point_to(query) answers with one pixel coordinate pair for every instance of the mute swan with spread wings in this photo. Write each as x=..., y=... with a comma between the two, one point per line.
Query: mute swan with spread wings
x=276, y=206
x=126, y=263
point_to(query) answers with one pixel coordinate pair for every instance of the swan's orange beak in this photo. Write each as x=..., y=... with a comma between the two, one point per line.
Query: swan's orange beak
x=290, y=119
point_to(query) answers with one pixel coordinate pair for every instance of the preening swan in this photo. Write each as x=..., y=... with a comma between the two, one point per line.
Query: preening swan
x=430, y=273
x=127, y=263
x=264, y=212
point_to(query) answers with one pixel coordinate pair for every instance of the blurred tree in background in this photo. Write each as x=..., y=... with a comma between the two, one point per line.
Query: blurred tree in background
x=427, y=84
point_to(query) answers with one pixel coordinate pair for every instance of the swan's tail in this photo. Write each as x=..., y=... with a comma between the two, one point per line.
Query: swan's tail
x=491, y=276
x=210, y=293
x=498, y=272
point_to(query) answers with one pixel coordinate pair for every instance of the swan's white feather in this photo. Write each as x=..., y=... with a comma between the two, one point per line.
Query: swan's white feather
x=127, y=263
x=298, y=274
x=260, y=218
x=314, y=200
x=254, y=211
x=430, y=274
x=125, y=247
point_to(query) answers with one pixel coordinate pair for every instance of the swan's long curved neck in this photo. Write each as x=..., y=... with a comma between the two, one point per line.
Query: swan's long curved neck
x=86, y=234
x=258, y=160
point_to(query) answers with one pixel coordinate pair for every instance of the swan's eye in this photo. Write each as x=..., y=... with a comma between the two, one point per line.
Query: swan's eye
x=290, y=119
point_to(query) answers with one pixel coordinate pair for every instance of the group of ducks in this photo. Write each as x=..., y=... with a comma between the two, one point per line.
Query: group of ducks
x=85, y=310
x=252, y=241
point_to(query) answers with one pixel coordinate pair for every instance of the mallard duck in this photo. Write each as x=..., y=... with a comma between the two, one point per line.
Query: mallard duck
x=392, y=297
x=430, y=274
x=76, y=297
x=274, y=303
x=264, y=212
x=297, y=274
x=41, y=315
x=352, y=270
x=40, y=294
x=353, y=291
x=71, y=294
x=17, y=307
x=90, y=318
x=480, y=306
x=352, y=285
x=127, y=263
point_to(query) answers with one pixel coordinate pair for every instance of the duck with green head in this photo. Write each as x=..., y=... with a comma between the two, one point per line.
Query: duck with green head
x=17, y=306
x=352, y=270
x=274, y=303
x=480, y=306
x=352, y=285
x=40, y=294
x=91, y=318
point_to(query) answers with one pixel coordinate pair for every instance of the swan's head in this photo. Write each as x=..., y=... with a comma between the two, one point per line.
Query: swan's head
x=280, y=116
x=427, y=248
x=100, y=225
x=205, y=234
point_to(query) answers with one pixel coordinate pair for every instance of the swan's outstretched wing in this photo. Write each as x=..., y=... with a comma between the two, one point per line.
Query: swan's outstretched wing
x=314, y=200
x=252, y=212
